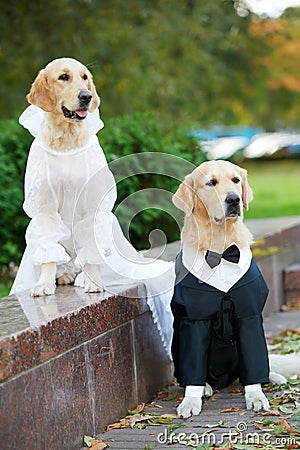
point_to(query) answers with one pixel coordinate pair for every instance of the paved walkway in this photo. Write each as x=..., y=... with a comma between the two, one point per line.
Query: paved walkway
x=214, y=425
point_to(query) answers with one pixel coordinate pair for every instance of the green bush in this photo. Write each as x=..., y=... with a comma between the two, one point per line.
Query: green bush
x=14, y=146
x=161, y=156
x=132, y=134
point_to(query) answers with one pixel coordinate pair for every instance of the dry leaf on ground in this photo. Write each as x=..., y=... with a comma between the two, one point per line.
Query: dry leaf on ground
x=258, y=425
x=271, y=412
x=139, y=418
x=94, y=443
x=287, y=426
x=120, y=424
x=140, y=408
x=98, y=445
x=229, y=410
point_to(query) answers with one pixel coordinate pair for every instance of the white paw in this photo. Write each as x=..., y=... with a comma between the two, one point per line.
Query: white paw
x=257, y=401
x=277, y=378
x=208, y=391
x=91, y=287
x=43, y=289
x=65, y=278
x=190, y=406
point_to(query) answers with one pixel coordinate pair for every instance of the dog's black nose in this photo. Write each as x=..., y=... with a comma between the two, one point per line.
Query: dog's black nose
x=84, y=97
x=232, y=199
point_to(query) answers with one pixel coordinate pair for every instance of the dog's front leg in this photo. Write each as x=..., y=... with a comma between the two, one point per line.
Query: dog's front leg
x=92, y=278
x=191, y=405
x=46, y=283
x=255, y=398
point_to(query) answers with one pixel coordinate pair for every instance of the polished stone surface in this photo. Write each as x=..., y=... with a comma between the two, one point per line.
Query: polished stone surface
x=59, y=322
x=75, y=373
x=76, y=393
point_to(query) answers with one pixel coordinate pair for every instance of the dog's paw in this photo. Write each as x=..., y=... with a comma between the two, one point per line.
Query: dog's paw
x=277, y=378
x=190, y=406
x=65, y=278
x=92, y=287
x=208, y=391
x=257, y=401
x=41, y=289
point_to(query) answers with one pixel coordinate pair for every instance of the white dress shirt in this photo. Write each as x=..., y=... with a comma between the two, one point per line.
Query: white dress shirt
x=223, y=276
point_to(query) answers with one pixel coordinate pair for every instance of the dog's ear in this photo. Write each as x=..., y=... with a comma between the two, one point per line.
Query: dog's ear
x=96, y=99
x=184, y=196
x=247, y=193
x=40, y=93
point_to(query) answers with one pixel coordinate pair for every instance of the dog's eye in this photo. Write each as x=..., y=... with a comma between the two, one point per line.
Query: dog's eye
x=64, y=77
x=213, y=182
x=235, y=180
x=85, y=77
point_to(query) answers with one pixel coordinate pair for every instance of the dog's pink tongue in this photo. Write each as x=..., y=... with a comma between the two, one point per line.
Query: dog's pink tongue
x=82, y=112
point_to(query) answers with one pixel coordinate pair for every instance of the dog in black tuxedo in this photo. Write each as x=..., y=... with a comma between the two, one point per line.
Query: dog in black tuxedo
x=219, y=292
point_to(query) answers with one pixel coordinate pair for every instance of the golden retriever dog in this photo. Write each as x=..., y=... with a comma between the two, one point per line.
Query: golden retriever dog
x=65, y=89
x=219, y=292
x=62, y=159
x=218, y=299
x=213, y=197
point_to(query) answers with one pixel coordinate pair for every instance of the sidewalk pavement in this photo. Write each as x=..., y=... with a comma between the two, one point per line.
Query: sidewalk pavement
x=214, y=426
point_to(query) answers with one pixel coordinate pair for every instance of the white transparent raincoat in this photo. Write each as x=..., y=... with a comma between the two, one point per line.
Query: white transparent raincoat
x=69, y=197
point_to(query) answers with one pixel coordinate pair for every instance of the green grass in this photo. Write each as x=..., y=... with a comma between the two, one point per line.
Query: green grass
x=276, y=187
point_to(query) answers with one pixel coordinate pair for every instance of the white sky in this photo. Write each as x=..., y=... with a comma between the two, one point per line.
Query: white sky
x=271, y=8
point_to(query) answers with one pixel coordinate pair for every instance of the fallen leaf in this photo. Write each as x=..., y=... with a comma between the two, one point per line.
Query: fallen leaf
x=98, y=445
x=140, y=408
x=94, y=443
x=287, y=400
x=139, y=418
x=162, y=394
x=88, y=440
x=287, y=409
x=156, y=405
x=169, y=416
x=258, y=425
x=229, y=410
x=291, y=446
x=237, y=390
x=284, y=423
x=271, y=412
x=116, y=425
x=287, y=331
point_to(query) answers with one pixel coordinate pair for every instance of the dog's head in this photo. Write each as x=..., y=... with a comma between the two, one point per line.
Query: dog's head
x=66, y=87
x=217, y=189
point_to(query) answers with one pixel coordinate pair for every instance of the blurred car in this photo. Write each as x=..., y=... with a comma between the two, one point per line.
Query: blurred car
x=266, y=144
x=222, y=142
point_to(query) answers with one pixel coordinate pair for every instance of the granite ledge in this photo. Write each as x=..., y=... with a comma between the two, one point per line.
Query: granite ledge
x=34, y=330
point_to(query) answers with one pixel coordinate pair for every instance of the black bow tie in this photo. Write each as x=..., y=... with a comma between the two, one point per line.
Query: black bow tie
x=231, y=254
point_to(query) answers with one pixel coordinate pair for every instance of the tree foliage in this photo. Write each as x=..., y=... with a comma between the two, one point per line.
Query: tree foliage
x=185, y=60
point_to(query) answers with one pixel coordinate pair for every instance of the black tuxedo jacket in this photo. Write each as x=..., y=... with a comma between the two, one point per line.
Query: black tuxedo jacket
x=219, y=336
